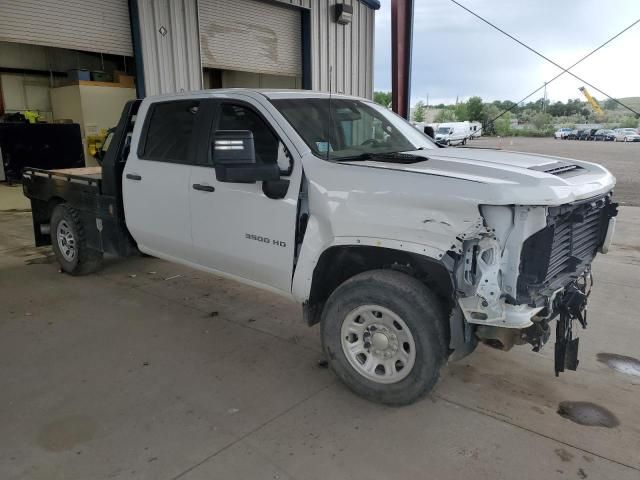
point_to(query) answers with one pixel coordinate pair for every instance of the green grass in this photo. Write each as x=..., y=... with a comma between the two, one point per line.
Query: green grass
x=633, y=102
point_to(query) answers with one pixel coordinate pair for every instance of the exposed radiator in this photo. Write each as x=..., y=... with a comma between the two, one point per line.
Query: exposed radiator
x=559, y=253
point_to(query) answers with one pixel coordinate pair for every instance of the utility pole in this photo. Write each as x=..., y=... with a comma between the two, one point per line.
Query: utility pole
x=401, y=32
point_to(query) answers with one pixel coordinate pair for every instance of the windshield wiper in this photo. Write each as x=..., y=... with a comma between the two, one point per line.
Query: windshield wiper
x=355, y=158
x=389, y=157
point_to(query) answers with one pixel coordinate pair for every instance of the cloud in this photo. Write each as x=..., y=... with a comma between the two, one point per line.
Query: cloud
x=455, y=54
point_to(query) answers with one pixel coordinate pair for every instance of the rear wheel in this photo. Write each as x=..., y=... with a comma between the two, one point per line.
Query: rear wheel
x=383, y=334
x=69, y=242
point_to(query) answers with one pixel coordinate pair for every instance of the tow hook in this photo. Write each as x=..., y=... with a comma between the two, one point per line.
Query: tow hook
x=572, y=305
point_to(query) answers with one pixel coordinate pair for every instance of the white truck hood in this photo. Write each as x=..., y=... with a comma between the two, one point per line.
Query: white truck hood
x=538, y=179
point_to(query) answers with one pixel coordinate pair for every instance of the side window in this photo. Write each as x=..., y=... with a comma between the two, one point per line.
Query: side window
x=240, y=117
x=169, y=131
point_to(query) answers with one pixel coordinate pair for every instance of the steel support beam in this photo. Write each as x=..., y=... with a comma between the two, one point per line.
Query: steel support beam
x=136, y=41
x=401, y=40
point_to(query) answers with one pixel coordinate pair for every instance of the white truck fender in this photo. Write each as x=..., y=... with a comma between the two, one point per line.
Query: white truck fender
x=318, y=239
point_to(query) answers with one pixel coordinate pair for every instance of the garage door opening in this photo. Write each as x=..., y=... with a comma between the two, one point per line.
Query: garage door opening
x=216, y=78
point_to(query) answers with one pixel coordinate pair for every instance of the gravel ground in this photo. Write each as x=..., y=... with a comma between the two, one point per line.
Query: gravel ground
x=623, y=159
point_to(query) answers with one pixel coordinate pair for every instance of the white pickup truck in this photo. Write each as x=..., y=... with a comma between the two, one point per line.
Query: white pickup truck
x=406, y=253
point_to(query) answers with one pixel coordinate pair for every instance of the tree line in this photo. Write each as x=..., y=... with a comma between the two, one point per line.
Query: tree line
x=539, y=116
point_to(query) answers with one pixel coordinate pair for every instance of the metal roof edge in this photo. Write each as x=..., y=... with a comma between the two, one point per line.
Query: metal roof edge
x=373, y=4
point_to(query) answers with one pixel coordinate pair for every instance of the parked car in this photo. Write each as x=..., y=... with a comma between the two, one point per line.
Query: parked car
x=588, y=134
x=582, y=134
x=562, y=133
x=406, y=254
x=627, y=135
x=604, y=135
x=573, y=135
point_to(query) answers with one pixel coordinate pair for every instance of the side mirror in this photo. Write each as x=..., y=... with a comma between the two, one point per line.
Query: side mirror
x=233, y=156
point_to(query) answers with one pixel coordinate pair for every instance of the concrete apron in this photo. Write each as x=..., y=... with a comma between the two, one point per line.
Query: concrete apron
x=151, y=370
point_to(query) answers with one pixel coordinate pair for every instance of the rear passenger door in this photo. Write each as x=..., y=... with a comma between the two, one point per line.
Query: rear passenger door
x=156, y=180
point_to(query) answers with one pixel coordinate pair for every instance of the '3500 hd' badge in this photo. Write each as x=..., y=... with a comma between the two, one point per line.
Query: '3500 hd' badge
x=260, y=238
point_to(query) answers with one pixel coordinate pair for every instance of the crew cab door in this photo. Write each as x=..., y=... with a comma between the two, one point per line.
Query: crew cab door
x=155, y=181
x=237, y=229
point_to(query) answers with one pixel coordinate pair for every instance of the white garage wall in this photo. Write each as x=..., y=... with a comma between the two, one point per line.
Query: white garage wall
x=347, y=48
x=170, y=46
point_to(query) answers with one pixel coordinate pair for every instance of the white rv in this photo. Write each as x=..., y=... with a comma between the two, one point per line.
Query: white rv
x=475, y=130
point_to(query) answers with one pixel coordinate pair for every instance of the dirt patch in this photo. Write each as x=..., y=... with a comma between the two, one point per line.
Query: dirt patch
x=563, y=454
x=67, y=432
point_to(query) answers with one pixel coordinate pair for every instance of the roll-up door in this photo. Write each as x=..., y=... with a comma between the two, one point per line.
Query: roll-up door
x=89, y=25
x=251, y=36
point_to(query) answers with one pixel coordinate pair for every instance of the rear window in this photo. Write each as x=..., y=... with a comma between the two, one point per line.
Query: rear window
x=169, y=130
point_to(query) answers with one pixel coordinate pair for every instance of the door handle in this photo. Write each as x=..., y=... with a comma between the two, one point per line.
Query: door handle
x=134, y=176
x=203, y=188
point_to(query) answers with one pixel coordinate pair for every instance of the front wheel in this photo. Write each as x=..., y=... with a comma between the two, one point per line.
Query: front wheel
x=383, y=334
x=70, y=244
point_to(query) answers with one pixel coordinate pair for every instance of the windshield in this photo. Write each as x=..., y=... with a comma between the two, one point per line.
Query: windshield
x=354, y=129
x=444, y=130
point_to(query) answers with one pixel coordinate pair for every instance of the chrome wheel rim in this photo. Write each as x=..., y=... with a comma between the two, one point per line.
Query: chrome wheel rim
x=66, y=241
x=378, y=344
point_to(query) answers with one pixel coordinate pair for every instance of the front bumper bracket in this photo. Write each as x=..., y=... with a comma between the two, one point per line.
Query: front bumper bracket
x=572, y=305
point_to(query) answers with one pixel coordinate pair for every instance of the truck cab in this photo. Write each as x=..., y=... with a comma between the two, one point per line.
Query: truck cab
x=406, y=254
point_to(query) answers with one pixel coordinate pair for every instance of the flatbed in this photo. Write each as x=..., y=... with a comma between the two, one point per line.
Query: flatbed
x=95, y=193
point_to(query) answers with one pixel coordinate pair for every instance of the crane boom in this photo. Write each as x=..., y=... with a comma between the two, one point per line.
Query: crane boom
x=592, y=101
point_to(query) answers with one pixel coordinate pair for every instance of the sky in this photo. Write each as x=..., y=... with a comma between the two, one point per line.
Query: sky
x=457, y=55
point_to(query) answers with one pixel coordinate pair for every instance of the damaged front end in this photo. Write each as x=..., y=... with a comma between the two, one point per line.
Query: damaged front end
x=530, y=265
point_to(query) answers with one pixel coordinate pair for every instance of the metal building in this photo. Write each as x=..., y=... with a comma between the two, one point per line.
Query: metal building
x=194, y=44
x=256, y=43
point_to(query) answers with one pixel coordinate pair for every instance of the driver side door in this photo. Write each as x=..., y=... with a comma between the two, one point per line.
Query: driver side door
x=236, y=228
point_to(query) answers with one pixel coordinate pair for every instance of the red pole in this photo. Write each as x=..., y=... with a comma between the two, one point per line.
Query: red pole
x=401, y=30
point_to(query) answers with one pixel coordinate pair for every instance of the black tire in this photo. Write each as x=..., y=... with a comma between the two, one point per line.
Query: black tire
x=418, y=308
x=85, y=260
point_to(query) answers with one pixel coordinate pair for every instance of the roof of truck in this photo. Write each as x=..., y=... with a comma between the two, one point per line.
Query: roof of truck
x=271, y=94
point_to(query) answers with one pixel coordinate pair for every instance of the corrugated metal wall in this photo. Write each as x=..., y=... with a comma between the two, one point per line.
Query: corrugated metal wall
x=348, y=48
x=89, y=25
x=170, y=46
x=250, y=36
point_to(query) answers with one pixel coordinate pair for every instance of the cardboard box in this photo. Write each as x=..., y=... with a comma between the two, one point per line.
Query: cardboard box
x=123, y=78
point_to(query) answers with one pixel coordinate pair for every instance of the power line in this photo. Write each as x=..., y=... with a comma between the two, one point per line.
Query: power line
x=569, y=68
x=564, y=70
